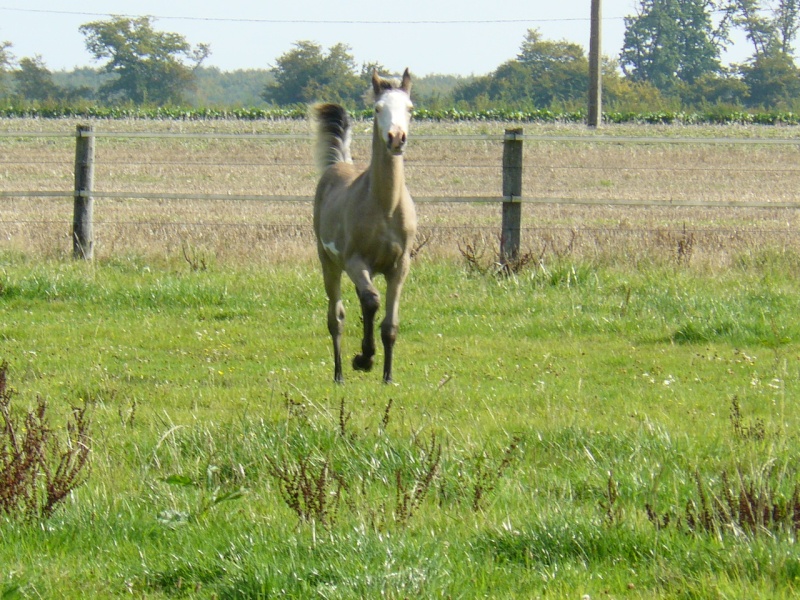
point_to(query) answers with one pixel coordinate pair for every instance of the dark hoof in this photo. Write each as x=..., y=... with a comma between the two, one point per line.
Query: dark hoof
x=362, y=363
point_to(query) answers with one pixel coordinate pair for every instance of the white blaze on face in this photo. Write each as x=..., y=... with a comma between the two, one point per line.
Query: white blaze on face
x=393, y=113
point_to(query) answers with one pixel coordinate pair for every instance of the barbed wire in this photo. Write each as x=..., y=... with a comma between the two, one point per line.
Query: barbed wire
x=532, y=165
x=679, y=226
x=589, y=137
x=675, y=203
x=411, y=165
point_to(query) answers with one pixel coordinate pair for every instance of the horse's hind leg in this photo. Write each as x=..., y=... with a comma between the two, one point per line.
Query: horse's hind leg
x=333, y=288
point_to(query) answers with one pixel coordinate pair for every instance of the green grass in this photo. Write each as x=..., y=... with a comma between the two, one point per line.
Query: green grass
x=534, y=420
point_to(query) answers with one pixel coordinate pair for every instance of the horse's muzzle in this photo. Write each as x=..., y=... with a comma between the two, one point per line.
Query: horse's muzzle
x=396, y=141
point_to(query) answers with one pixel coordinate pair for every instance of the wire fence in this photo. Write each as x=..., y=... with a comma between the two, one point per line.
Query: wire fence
x=584, y=192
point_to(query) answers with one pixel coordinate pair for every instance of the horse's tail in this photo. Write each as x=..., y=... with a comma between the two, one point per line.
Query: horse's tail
x=334, y=131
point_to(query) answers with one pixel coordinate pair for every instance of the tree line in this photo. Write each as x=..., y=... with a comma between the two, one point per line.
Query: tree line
x=670, y=60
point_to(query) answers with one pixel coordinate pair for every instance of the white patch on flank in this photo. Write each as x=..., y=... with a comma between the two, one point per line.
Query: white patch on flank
x=330, y=248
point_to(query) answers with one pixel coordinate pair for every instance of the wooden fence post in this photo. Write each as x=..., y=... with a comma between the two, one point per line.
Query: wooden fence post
x=83, y=207
x=512, y=194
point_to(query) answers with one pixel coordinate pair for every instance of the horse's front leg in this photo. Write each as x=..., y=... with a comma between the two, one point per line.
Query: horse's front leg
x=391, y=322
x=370, y=302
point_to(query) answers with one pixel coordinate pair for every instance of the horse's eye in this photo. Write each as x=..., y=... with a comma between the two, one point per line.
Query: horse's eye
x=378, y=108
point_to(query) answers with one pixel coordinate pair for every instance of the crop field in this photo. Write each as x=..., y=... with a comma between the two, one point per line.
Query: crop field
x=616, y=419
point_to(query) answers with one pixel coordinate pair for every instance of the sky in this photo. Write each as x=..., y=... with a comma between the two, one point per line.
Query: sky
x=427, y=36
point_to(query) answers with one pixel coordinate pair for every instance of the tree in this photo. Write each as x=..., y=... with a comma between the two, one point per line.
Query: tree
x=560, y=69
x=756, y=26
x=770, y=73
x=544, y=73
x=773, y=80
x=239, y=88
x=671, y=41
x=622, y=94
x=787, y=23
x=715, y=89
x=306, y=74
x=6, y=63
x=150, y=66
x=770, y=30
x=35, y=81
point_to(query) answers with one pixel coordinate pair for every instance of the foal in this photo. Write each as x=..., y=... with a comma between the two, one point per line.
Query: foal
x=365, y=222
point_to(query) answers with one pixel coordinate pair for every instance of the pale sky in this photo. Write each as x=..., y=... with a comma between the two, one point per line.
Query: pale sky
x=426, y=36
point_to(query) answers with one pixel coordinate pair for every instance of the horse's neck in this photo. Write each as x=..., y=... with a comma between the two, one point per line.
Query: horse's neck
x=387, y=175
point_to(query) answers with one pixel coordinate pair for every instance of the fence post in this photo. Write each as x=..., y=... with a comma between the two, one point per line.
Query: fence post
x=83, y=207
x=512, y=194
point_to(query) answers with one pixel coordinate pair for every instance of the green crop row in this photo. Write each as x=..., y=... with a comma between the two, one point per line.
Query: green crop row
x=712, y=116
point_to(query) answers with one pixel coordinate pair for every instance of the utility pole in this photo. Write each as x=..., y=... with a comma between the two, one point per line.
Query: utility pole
x=595, y=116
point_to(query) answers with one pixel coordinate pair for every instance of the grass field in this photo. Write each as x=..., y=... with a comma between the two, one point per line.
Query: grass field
x=617, y=420
x=536, y=423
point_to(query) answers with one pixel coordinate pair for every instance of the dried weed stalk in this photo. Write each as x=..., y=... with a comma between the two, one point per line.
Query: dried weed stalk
x=409, y=497
x=344, y=419
x=311, y=491
x=37, y=469
x=748, y=506
x=195, y=260
x=422, y=240
x=741, y=430
x=474, y=252
x=386, y=414
x=609, y=504
x=480, y=259
x=487, y=476
x=685, y=247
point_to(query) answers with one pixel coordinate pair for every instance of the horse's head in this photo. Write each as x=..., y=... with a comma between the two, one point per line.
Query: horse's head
x=393, y=111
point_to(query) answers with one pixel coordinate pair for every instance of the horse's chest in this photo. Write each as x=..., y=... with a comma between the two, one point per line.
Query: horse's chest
x=384, y=242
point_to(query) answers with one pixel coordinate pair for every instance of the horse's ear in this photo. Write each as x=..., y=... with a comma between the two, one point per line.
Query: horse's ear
x=406, y=84
x=377, y=83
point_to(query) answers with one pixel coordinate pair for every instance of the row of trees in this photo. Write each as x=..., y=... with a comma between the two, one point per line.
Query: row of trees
x=675, y=46
x=144, y=66
x=149, y=67
x=671, y=58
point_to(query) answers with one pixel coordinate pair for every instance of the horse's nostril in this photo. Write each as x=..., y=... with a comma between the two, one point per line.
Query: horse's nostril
x=396, y=139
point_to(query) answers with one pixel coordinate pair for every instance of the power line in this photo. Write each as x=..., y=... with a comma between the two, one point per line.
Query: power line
x=310, y=21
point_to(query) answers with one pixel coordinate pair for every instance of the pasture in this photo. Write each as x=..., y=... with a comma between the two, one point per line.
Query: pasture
x=616, y=420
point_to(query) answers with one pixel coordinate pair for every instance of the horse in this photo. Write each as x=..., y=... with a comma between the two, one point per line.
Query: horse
x=365, y=222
